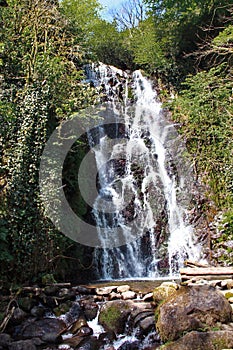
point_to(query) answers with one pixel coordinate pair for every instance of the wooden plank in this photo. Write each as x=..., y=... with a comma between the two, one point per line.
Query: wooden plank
x=205, y=271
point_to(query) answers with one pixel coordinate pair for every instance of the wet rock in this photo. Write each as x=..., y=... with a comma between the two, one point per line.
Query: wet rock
x=165, y=290
x=192, y=308
x=107, y=337
x=32, y=329
x=27, y=303
x=105, y=290
x=81, y=322
x=51, y=290
x=128, y=295
x=83, y=290
x=73, y=342
x=53, y=338
x=90, y=343
x=140, y=316
x=130, y=345
x=22, y=345
x=90, y=309
x=5, y=340
x=84, y=331
x=49, y=301
x=215, y=340
x=122, y=289
x=38, y=311
x=114, y=296
x=148, y=297
x=62, y=308
x=113, y=315
x=74, y=313
x=18, y=316
x=66, y=294
x=147, y=324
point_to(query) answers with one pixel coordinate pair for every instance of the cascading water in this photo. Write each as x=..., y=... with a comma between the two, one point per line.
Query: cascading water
x=141, y=166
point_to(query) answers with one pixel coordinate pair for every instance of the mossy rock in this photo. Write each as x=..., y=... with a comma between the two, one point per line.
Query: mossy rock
x=213, y=340
x=113, y=315
x=192, y=308
x=164, y=291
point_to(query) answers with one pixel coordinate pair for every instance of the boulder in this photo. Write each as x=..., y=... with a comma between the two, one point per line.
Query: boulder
x=213, y=340
x=18, y=316
x=123, y=288
x=53, y=338
x=27, y=303
x=192, y=308
x=33, y=329
x=128, y=295
x=148, y=297
x=165, y=290
x=105, y=290
x=113, y=315
x=5, y=340
x=89, y=343
x=90, y=309
x=81, y=322
x=38, y=311
x=22, y=345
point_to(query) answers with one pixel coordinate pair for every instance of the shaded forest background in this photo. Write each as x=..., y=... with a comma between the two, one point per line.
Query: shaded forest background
x=187, y=47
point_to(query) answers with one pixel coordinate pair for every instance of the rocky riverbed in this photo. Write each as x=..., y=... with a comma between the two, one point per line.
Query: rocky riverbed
x=137, y=315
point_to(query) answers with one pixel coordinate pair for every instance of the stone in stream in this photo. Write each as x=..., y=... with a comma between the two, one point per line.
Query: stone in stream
x=38, y=328
x=38, y=311
x=84, y=331
x=192, y=308
x=5, y=340
x=27, y=303
x=18, y=316
x=51, y=290
x=114, y=296
x=123, y=288
x=148, y=297
x=113, y=315
x=81, y=322
x=105, y=290
x=89, y=343
x=22, y=345
x=128, y=295
x=90, y=309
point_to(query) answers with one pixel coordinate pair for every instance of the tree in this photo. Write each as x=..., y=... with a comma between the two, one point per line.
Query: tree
x=130, y=14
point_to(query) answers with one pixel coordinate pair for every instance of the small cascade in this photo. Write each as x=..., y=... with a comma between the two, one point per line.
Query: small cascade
x=144, y=183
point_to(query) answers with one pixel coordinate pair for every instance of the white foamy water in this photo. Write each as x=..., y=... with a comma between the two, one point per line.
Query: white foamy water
x=154, y=182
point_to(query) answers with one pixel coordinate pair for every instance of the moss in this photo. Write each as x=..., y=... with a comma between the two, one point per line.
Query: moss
x=110, y=317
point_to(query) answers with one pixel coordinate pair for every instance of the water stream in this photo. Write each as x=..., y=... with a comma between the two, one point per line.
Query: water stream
x=144, y=180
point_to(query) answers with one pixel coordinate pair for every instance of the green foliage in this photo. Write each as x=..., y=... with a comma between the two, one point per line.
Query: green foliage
x=204, y=110
x=40, y=85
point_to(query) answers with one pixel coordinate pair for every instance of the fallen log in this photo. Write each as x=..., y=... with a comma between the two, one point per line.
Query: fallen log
x=206, y=273
x=193, y=264
x=194, y=271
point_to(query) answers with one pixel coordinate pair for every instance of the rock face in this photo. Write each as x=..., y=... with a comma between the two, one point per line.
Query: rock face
x=192, y=308
x=216, y=340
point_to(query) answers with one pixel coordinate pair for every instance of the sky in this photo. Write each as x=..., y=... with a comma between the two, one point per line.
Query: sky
x=109, y=4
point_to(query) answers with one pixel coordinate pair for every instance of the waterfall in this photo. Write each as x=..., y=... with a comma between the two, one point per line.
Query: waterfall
x=144, y=183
